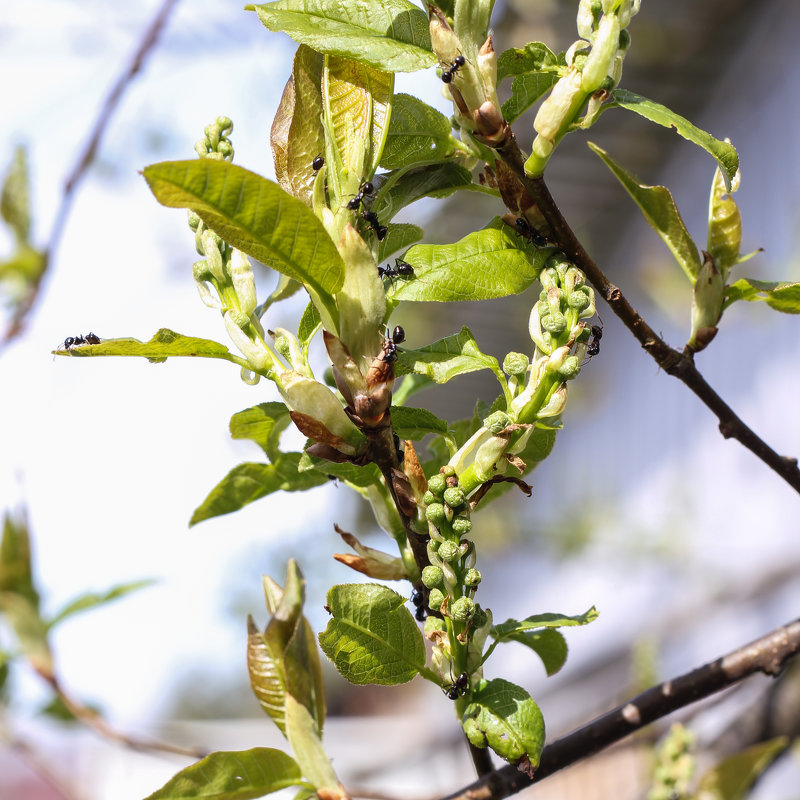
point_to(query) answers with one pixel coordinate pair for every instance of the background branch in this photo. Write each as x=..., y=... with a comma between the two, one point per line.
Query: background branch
x=678, y=364
x=85, y=159
x=768, y=654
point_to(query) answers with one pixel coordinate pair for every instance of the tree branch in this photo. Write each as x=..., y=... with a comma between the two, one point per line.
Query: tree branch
x=678, y=364
x=85, y=159
x=768, y=654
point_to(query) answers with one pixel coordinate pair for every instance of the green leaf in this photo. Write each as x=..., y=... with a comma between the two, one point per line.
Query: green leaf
x=534, y=57
x=505, y=717
x=372, y=637
x=512, y=627
x=233, y=775
x=165, y=344
x=15, y=197
x=410, y=385
x=283, y=661
x=402, y=187
x=16, y=574
x=386, y=34
x=398, y=237
x=548, y=644
x=368, y=475
x=309, y=325
x=285, y=288
x=262, y=424
x=256, y=216
x=779, y=295
x=724, y=153
x=417, y=132
x=485, y=264
x=91, y=600
x=658, y=208
x=525, y=91
x=732, y=778
x=29, y=628
x=414, y=423
x=249, y=482
x=446, y=358
x=304, y=738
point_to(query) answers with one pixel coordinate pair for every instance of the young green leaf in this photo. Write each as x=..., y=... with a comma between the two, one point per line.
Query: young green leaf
x=485, y=264
x=390, y=35
x=402, y=187
x=410, y=385
x=164, y=344
x=283, y=661
x=534, y=57
x=16, y=574
x=372, y=637
x=417, y=132
x=262, y=424
x=249, y=482
x=256, y=216
x=241, y=775
x=512, y=627
x=92, y=600
x=724, y=224
x=779, y=295
x=732, y=778
x=446, y=358
x=724, y=153
x=414, y=423
x=658, y=208
x=503, y=716
x=549, y=644
x=30, y=629
x=368, y=475
x=309, y=325
x=305, y=740
x=398, y=237
x=525, y=91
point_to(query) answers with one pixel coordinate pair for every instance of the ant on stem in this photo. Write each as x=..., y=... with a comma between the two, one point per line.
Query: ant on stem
x=458, y=62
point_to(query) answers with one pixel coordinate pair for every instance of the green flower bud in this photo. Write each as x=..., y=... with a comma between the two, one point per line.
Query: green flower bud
x=254, y=350
x=455, y=498
x=448, y=551
x=194, y=220
x=497, y=422
x=282, y=346
x=225, y=149
x=437, y=484
x=515, y=364
x=554, y=323
x=559, y=107
x=244, y=282
x=210, y=242
x=432, y=577
x=624, y=39
x=435, y=599
x=239, y=318
x=200, y=271
x=579, y=299
x=479, y=617
x=448, y=471
x=604, y=48
x=570, y=368
x=428, y=498
x=462, y=609
x=472, y=578
x=462, y=526
x=435, y=513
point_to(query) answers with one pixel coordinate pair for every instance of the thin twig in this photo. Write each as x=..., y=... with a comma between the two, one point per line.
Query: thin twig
x=78, y=171
x=678, y=364
x=768, y=654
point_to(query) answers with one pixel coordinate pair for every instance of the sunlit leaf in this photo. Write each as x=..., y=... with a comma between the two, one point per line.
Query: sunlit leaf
x=262, y=424
x=779, y=295
x=417, y=132
x=304, y=737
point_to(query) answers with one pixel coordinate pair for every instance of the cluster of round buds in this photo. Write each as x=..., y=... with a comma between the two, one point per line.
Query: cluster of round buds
x=215, y=142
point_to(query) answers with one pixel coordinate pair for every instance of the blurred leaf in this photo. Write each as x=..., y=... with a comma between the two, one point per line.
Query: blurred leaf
x=90, y=600
x=372, y=637
x=15, y=197
x=283, y=661
x=16, y=575
x=386, y=34
x=505, y=717
x=251, y=481
x=165, y=344
x=306, y=744
x=724, y=153
x=732, y=778
x=417, y=132
x=241, y=775
x=658, y=208
x=30, y=630
x=256, y=216
x=779, y=295
x=410, y=385
x=262, y=424
x=489, y=263
x=447, y=358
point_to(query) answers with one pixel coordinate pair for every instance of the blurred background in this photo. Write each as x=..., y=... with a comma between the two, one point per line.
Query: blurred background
x=686, y=543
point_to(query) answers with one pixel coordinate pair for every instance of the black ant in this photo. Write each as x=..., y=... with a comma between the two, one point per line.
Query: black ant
x=458, y=688
x=418, y=599
x=527, y=231
x=318, y=163
x=365, y=190
x=458, y=62
x=401, y=269
x=372, y=220
x=593, y=348
x=390, y=345
x=79, y=341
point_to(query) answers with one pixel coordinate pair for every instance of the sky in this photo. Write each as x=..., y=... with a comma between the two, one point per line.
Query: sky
x=110, y=457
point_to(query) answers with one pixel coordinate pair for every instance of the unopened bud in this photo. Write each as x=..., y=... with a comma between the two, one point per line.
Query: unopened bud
x=448, y=551
x=461, y=526
x=515, y=364
x=244, y=282
x=472, y=577
x=435, y=513
x=455, y=498
x=463, y=609
x=437, y=484
x=210, y=242
x=435, y=599
x=432, y=577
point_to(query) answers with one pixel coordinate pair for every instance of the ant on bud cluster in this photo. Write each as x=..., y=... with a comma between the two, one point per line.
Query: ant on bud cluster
x=458, y=62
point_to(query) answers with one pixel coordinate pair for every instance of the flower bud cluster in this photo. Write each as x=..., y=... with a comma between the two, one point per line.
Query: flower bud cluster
x=594, y=67
x=224, y=276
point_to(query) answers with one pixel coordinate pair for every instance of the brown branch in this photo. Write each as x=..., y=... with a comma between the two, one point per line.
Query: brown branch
x=678, y=364
x=768, y=654
x=85, y=159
